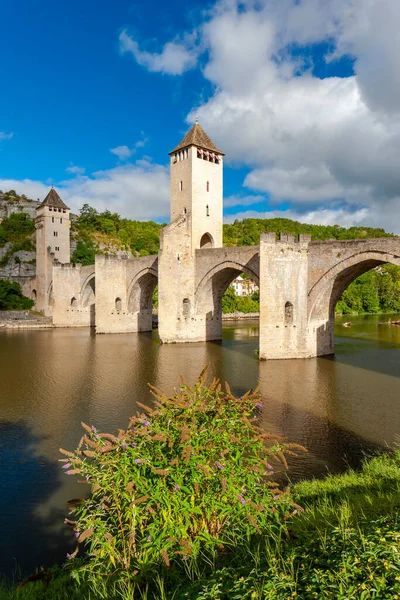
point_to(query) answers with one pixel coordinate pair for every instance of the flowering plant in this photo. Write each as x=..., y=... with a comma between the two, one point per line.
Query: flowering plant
x=188, y=482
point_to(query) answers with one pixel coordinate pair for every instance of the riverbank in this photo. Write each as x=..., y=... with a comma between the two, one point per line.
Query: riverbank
x=345, y=545
x=23, y=319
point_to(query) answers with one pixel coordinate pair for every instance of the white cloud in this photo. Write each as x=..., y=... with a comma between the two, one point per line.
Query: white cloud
x=137, y=191
x=332, y=142
x=175, y=57
x=6, y=136
x=75, y=170
x=123, y=152
x=238, y=200
x=314, y=217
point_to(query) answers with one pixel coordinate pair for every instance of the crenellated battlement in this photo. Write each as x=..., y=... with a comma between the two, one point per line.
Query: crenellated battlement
x=285, y=238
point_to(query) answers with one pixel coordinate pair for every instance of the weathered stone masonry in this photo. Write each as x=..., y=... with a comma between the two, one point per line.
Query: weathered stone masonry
x=300, y=281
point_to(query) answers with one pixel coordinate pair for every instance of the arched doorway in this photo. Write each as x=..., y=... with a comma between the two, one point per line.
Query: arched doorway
x=206, y=241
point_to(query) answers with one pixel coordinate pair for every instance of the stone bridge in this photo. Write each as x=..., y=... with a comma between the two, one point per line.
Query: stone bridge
x=300, y=283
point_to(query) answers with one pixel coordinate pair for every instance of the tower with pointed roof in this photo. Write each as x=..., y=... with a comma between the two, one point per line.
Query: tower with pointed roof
x=52, y=243
x=196, y=187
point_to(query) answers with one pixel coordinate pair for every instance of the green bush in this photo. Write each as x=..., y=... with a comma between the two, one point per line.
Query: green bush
x=12, y=298
x=187, y=483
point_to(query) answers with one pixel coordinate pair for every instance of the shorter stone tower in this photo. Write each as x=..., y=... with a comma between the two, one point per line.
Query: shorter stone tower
x=196, y=187
x=52, y=244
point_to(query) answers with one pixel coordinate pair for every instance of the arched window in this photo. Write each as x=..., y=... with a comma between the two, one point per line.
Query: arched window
x=208, y=186
x=206, y=241
x=118, y=304
x=74, y=302
x=180, y=186
x=207, y=210
x=52, y=219
x=34, y=295
x=186, y=307
x=288, y=313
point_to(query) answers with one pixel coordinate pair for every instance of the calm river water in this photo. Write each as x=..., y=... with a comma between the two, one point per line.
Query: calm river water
x=340, y=408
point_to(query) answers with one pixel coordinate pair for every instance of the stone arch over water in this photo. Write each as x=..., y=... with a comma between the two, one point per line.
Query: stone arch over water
x=140, y=296
x=88, y=298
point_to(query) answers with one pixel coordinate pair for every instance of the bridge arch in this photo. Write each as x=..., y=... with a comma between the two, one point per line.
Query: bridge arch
x=88, y=297
x=324, y=295
x=211, y=288
x=140, y=295
x=326, y=292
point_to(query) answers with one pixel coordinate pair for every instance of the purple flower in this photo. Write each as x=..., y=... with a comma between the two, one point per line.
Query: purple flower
x=149, y=538
x=177, y=488
x=74, y=575
x=294, y=512
x=219, y=465
x=123, y=446
x=276, y=497
x=137, y=461
x=77, y=534
x=146, y=423
x=94, y=429
x=68, y=473
x=270, y=467
x=134, y=444
x=96, y=437
x=68, y=555
x=66, y=466
x=260, y=405
x=241, y=499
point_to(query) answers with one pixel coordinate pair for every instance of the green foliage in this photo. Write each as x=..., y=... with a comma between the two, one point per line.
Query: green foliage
x=247, y=232
x=187, y=483
x=375, y=291
x=11, y=297
x=84, y=252
x=15, y=227
x=141, y=237
x=245, y=304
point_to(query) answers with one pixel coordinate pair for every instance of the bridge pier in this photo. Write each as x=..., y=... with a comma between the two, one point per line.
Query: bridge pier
x=284, y=331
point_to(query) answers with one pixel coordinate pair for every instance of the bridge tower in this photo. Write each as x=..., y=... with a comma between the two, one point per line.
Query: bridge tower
x=52, y=243
x=196, y=225
x=196, y=187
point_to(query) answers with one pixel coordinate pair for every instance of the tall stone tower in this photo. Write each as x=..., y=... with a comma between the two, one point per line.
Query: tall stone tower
x=52, y=243
x=196, y=187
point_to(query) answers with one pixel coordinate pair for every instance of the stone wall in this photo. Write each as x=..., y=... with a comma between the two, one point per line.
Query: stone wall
x=124, y=288
x=73, y=295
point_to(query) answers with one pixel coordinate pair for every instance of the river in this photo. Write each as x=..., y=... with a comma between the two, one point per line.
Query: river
x=340, y=408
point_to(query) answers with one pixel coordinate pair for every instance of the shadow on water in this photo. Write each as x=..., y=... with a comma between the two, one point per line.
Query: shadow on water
x=27, y=482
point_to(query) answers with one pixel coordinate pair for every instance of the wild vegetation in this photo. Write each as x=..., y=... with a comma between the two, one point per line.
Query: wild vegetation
x=12, y=298
x=183, y=506
x=17, y=230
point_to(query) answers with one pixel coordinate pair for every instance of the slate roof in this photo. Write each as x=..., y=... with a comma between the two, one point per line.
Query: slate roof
x=197, y=137
x=53, y=199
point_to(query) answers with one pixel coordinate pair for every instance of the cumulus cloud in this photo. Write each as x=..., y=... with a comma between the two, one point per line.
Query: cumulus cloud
x=123, y=152
x=75, y=170
x=137, y=191
x=6, y=136
x=308, y=141
x=175, y=57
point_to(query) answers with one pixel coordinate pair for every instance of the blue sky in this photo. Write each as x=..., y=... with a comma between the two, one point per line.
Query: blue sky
x=302, y=95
